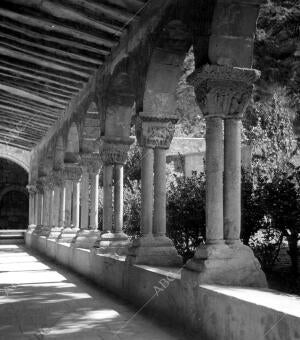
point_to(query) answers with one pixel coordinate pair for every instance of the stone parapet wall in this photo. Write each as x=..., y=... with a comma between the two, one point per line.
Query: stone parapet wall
x=209, y=312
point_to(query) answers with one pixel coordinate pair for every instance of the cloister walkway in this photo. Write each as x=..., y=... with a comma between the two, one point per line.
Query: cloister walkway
x=41, y=300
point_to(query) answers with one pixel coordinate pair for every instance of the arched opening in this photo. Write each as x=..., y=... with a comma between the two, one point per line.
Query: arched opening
x=13, y=195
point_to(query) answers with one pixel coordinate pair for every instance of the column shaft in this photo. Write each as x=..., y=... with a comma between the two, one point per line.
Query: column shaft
x=118, y=197
x=159, y=213
x=56, y=206
x=147, y=191
x=46, y=207
x=84, y=218
x=94, y=201
x=40, y=206
x=36, y=210
x=232, y=180
x=75, y=204
x=50, y=218
x=214, y=180
x=62, y=204
x=68, y=202
x=107, y=197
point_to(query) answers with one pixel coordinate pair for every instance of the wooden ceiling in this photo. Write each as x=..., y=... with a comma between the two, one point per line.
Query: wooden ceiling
x=48, y=51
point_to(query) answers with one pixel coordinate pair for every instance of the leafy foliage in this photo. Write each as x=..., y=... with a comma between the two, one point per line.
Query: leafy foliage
x=186, y=213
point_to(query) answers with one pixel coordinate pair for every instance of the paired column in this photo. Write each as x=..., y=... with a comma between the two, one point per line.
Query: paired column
x=223, y=93
x=32, y=208
x=56, y=204
x=88, y=233
x=71, y=174
x=114, y=155
x=154, y=247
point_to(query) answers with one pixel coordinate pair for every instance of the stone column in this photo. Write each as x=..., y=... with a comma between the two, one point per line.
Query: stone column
x=56, y=205
x=94, y=180
x=214, y=180
x=40, y=204
x=154, y=247
x=71, y=173
x=84, y=202
x=223, y=93
x=31, y=216
x=75, y=204
x=88, y=235
x=159, y=212
x=107, y=197
x=46, y=206
x=62, y=204
x=114, y=155
x=147, y=191
x=118, y=198
x=232, y=180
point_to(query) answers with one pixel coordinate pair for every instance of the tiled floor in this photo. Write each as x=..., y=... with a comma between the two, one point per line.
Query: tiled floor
x=39, y=300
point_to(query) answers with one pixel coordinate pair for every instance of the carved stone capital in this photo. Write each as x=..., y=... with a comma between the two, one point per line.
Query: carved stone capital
x=40, y=185
x=72, y=172
x=223, y=91
x=57, y=178
x=32, y=189
x=92, y=162
x=115, y=150
x=153, y=132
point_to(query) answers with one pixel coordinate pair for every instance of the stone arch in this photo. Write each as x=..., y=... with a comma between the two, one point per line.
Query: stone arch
x=119, y=103
x=21, y=158
x=165, y=69
x=58, y=158
x=90, y=130
x=72, y=144
x=18, y=188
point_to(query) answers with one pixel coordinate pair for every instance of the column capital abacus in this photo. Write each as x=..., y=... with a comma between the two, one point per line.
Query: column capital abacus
x=155, y=132
x=32, y=188
x=72, y=172
x=92, y=162
x=223, y=91
x=115, y=150
x=57, y=178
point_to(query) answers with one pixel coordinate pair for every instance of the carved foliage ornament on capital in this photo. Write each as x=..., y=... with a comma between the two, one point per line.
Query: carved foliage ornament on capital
x=92, y=162
x=115, y=151
x=223, y=91
x=155, y=132
x=72, y=172
x=32, y=189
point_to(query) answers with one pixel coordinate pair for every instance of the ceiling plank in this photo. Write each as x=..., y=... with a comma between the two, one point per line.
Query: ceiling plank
x=58, y=77
x=55, y=51
x=60, y=11
x=26, y=94
x=35, y=89
x=20, y=146
x=37, y=52
x=53, y=26
x=99, y=9
x=25, y=101
x=34, y=60
x=83, y=47
x=13, y=107
x=35, y=84
x=17, y=119
x=39, y=75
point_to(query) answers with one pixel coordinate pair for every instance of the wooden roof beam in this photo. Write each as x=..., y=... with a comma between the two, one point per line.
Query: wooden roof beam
x=54, y=41
x=53, y=26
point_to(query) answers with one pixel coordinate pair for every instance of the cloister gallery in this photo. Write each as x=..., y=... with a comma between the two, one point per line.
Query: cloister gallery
x=80, y=81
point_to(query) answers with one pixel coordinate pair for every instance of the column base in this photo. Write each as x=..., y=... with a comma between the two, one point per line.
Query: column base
x=112, y=243
x=31, y=228
x=231, y=264
x=44, y=230
x=67, y=234
x=54, y=232
x=153, y=251
x=85, y=238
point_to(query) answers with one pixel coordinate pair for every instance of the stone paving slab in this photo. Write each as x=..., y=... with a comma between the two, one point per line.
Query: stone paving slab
x=40, y=300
